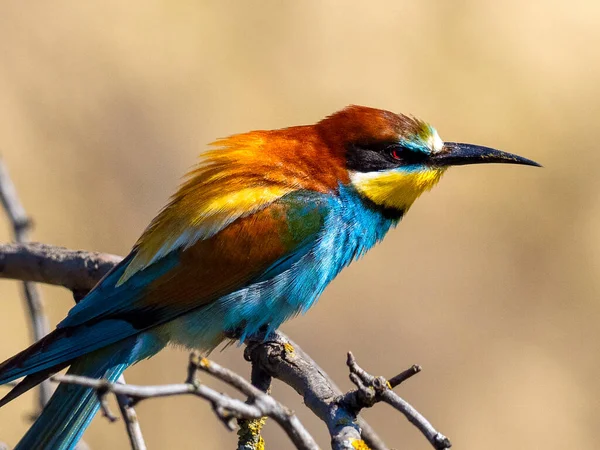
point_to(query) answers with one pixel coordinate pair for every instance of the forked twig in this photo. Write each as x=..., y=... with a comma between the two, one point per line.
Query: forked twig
x=277, y=357
x=225, y=407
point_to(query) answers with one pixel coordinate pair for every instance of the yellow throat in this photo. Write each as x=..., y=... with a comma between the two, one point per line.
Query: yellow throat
x=395, y=188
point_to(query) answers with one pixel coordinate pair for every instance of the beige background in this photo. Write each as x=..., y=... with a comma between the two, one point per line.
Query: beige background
x=491, y=282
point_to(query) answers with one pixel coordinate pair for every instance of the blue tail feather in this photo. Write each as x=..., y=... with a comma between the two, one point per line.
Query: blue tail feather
x=67, y=415
x=72, y=407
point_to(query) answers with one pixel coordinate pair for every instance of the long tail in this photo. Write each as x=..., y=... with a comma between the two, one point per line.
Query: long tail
x=99, y=338
x=71, y=408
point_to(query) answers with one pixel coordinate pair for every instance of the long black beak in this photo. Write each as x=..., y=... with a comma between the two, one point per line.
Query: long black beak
x=455, y=154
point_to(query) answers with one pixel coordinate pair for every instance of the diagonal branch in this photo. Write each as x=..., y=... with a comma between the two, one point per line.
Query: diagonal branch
x=225, y=407
x=21, y=225
x=277, y=356
x=371, y=389
x=369, y=436
x=132, y=424
x=280, y=358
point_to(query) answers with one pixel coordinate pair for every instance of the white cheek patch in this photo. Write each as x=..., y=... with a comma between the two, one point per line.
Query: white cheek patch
x=358, y=178
x=434, y=142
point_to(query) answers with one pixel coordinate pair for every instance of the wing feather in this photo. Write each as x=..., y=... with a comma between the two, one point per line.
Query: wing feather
x=249, y=250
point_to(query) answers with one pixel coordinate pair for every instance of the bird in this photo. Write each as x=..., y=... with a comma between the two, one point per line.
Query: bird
x=252, y=237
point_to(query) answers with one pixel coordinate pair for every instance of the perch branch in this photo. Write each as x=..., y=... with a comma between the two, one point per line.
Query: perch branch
x=249, y=433
x=277, y=356
x=225, y=407
x=369, y=436
x=286, y=361
x=79, y=271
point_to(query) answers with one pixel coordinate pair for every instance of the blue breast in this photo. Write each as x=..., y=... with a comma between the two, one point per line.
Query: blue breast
x=350, y=228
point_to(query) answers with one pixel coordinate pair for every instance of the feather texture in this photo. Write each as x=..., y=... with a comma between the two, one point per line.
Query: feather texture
x=242, y=175
x=252, y=238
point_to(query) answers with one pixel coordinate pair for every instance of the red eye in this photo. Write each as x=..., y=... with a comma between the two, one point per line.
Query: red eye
x=407, y=156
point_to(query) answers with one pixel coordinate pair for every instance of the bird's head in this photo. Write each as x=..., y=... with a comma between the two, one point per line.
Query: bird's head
x=392, y=158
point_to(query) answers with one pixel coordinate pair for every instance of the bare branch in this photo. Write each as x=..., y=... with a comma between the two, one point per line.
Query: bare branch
x=403, y=376
x=78, y=271
x=277, y=356
x=225, y=407
x=369, y=436
x=134, y=432
x=21, y=225
x=132, y=424
x=249, y=433
x=19, y=220
x=372, y=389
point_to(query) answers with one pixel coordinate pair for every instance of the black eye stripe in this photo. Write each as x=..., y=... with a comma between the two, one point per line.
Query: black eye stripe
x=375, y=156
x=406, y=155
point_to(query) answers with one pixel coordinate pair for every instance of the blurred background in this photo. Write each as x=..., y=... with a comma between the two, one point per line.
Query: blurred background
x=490, y=283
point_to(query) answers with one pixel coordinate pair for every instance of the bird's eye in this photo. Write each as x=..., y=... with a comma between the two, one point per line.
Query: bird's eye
x=399, y=153
x=406, y=155
x=396, y=154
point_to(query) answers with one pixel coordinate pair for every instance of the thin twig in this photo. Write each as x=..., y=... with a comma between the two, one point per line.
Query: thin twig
x=132, y=424
x=270, y=407
x=225, y=407
x=21, y=225
x=278, y=356
x=403, y=376
x=381, y=390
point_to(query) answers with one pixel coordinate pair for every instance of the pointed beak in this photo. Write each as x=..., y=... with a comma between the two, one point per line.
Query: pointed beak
x=455, y=154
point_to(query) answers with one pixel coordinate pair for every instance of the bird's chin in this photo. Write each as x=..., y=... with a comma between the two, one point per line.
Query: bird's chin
x=396, y=189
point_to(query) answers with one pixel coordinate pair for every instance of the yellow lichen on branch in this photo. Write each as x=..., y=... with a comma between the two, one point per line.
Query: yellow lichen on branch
x=249, y=437
x=289, y=348
x=359, y=444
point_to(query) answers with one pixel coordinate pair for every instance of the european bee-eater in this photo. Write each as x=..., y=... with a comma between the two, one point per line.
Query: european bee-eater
x=252, y=238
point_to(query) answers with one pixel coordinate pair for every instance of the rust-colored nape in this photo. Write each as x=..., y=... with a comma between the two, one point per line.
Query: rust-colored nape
x=363, y=124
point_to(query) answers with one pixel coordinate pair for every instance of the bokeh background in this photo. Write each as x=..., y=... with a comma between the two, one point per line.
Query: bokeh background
x=490, y=283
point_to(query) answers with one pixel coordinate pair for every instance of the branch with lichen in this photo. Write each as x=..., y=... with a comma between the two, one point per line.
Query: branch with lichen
x=249, y=433
x=273, y=356
x=277, y=355
x=226, y=408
